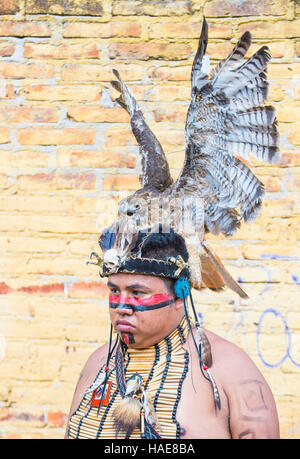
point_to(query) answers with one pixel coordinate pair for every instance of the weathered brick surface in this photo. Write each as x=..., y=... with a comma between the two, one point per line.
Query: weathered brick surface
x=9, y=6
x=64, y=7
x=67, y=155
x=24, y=29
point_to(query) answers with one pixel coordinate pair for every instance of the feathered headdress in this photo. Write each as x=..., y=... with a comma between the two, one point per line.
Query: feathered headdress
x=215, y=191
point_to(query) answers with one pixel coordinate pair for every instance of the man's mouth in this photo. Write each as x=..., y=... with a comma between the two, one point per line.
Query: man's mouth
x=124, y=326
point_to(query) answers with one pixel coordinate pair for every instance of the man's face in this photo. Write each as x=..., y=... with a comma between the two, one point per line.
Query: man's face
x=142, y=310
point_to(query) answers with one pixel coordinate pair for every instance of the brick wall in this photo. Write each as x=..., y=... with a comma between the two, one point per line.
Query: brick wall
x=67, y=154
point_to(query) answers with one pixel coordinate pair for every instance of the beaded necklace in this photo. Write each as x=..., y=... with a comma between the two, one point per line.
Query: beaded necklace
x=163, y=368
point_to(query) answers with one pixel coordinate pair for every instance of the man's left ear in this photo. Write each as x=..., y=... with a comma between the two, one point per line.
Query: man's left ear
x=178, y=304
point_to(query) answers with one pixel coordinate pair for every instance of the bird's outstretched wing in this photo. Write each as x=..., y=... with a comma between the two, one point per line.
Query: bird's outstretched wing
x=155, y=169
x=227, y=119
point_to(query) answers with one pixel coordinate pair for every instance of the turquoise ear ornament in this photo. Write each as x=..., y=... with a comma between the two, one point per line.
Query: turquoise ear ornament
x=182, y=288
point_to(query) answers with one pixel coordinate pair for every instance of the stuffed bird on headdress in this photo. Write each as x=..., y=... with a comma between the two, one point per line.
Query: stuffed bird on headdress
x=227, y=117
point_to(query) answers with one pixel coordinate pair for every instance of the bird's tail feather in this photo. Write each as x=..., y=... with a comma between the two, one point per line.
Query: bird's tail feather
x=214, y=274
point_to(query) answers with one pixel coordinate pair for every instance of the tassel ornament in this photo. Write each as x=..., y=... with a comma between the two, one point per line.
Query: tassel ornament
x=148, y=409
x=127, y=415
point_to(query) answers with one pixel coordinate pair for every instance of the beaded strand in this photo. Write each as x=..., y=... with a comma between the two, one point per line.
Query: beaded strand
x=163, y=367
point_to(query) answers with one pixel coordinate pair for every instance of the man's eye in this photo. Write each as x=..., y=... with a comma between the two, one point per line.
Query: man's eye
x=114, y=290
x=137, y=293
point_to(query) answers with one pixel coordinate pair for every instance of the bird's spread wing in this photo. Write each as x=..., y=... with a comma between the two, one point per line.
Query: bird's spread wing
x=227, y=118
x=155, y=168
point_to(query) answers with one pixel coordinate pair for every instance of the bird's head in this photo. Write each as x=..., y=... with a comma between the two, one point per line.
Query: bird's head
x=129, y=206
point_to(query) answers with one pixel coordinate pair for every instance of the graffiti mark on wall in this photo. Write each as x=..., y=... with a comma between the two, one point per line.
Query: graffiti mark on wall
x=286, y=349
x=272, y=325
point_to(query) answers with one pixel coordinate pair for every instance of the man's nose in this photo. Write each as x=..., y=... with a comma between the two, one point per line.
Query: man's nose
x=123, y=307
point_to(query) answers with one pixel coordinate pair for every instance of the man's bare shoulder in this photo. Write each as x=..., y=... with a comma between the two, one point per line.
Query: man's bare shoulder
x=229, y=359
x=252, y=406
x=88, y=374
x=93, y=364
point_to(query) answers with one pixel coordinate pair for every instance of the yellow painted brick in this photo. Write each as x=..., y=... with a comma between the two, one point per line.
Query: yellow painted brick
x=30, y=70
x=87, y=332
x=24, y=29
x=271, y=30
x=98, y=114
x=282, y=207
x=6, y=91
x=63, y=7
x=288, y=112
x=185, y=30
x=169, y=93
x=153, y=8
x=278, y=49
x=102, y=30
x=257, y=252
x=20, y=114
x=4, y=183
x=294, y=134
x=61, y=224
x=42, y=371
x=277, y=92
x=83, y=93
x=82, y=246
x=29, y=244
x=293, y=183
x=176, y=159
x=83, y=205
x=24, y=158
x=4, y=135
x=57, y=181
x=171, y=113
x=36, y=204
x=9, y=7
x=98, y=72
x=102, y=205
x=117, y=137
x=145, y=51
x=121, y=182
x=31, y=329
x=6, y=48
x=282, y=71
x=290, y=157
x=218, y=50
x=64, y=266
x=40, y=223
x=66, y=51
x=217, y=8
x=162, y=73
x=56, y=136
x=110, y=157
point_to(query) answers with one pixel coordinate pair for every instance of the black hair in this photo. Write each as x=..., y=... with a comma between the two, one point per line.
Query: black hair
x=161, y=245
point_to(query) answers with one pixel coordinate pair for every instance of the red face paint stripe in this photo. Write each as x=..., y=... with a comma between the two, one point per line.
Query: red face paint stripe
x=149, y=301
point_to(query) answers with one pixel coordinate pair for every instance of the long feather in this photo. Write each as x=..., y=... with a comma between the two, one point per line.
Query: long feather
x=234, y=57
x=239, y=78
x=222, y=272
x=200, y=68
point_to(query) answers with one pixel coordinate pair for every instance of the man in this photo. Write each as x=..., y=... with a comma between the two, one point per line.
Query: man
x=151, y=324
x=164, y=376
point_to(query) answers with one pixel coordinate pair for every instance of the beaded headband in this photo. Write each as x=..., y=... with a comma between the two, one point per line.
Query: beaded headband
x=137, y=261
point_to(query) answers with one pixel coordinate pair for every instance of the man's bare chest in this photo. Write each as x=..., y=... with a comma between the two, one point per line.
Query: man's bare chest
x=196, y=412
